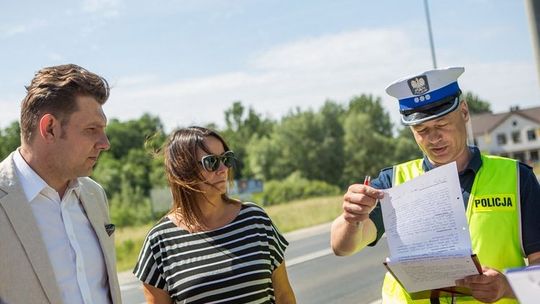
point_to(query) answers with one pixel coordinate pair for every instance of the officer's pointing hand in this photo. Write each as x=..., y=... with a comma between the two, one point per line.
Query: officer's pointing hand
x=359, y=201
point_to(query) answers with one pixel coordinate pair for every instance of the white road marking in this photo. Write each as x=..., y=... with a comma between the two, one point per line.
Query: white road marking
x=309, y=257
x=130, y=286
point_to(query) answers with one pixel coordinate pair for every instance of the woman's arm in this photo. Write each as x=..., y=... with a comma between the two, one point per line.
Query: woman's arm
x=282, y=288
x=154, y=295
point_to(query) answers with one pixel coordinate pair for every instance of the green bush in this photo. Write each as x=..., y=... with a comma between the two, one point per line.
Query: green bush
x=127, y=253
x=124, y=214
x=130, y=207
x=126, y=247
x=295, y=187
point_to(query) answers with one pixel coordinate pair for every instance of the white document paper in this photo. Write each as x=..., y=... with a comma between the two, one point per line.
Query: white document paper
x=525, y=283
x=432, y=272
x=427, y=232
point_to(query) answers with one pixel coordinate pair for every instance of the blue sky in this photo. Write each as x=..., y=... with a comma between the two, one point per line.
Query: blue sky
x=188, y=60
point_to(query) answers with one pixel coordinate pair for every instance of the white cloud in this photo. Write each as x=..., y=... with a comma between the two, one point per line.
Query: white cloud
x=305, y=73
x=108, y=8
x=8, y=31
x=340, y=51
x=503, y=84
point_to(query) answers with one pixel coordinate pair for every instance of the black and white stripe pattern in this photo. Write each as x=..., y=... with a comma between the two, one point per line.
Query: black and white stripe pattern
x=232, y=264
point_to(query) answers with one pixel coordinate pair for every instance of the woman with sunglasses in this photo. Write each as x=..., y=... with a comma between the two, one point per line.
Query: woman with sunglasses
x=210, y=248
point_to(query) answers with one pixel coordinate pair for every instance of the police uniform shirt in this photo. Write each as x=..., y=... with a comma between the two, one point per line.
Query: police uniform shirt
x=529, y=191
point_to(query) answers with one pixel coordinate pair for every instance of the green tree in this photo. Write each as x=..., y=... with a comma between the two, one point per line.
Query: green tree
x=332, y=153
x=241, y=126
x=10, y=139
x=405, y=146
x=135, y=133
x=131, y=159
x=136, y=168
x=130, y=206
x=265, y=158
x=372, y=107
x=477, y=105
x=308, y=142
x=295, y=187
x=366, y=149
x=296, y=141
x=368, y=139
x=108, y=172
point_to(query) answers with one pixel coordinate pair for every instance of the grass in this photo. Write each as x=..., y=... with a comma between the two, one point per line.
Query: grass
x=128, y=242
x=287, y=217
x=305, y=213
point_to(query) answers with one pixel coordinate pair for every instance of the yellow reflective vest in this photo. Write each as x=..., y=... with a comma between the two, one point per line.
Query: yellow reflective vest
x=493, y=214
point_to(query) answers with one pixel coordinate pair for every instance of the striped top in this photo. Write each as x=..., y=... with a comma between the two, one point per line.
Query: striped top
x=231, y=264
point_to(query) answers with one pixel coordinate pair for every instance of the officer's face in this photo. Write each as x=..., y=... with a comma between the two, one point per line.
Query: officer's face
x=444, y=140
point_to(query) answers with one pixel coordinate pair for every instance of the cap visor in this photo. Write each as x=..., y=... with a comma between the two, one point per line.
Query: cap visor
x=429, y=114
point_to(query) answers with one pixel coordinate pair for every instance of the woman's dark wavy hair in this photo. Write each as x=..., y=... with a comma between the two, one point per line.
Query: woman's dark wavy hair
x=184, y=173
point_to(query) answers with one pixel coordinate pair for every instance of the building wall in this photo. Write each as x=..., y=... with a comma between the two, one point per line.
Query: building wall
x=525, y=149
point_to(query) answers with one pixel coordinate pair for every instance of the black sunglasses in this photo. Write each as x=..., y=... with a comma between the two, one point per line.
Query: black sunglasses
x=211, y=162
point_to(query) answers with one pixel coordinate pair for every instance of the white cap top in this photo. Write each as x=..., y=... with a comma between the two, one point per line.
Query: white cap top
x=427, y=95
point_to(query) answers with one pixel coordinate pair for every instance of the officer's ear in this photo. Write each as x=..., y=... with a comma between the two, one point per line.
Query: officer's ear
x=464, y=110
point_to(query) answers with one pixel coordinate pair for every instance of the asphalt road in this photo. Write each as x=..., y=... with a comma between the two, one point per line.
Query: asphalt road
x=316, y=275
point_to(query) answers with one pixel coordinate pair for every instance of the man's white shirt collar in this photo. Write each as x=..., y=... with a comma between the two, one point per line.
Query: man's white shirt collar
x=31, y=183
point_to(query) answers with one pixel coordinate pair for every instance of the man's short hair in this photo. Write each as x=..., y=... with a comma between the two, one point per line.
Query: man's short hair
x=53, y=90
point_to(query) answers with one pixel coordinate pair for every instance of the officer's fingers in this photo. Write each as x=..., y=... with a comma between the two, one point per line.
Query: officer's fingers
x=367, y=190
x=357, y=209
x=475, y=279
x=359, y=199
x=488, y=276
x=362, y=206
x=374, y=193
x=487, y=292
x=355, y=188
x=355, y=218
x=362, y=194
x=469, y=281
x=486, y=287
x=485, y=296
x=491, y=273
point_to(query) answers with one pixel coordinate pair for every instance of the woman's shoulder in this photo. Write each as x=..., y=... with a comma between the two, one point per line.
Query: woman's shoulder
x=164, y=225
x=250, y=206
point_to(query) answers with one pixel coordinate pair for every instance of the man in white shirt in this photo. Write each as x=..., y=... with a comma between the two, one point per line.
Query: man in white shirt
x=56, y=241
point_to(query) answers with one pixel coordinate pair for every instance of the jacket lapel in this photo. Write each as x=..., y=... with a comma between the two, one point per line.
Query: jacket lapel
x=91, y=205
x=20, y=215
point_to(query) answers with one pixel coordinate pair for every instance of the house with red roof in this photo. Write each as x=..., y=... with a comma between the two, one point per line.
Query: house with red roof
x=514, y=134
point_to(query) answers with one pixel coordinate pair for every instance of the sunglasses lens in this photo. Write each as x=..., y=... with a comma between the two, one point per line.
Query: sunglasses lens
x=210, y=163
x=228, y=159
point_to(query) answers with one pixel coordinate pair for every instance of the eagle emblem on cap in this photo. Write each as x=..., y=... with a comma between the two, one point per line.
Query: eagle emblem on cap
x=418, y=85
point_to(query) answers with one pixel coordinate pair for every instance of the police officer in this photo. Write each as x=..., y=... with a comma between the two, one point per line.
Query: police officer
x=502, y=235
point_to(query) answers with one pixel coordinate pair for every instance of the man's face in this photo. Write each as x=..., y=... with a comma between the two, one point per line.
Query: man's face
x=82, y=139
x=444, y=140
